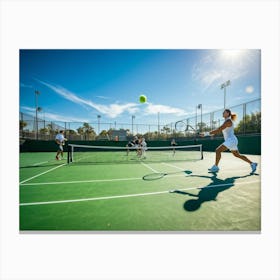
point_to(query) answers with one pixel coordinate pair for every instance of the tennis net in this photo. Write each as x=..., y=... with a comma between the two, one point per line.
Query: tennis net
x=106, y=154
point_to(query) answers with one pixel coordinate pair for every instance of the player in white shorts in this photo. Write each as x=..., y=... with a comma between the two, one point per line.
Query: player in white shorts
x=144, y=147
x=60, y=140
x=230, y=142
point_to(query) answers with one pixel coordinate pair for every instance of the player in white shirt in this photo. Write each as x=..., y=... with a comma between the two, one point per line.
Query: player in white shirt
x=60, y=140
x=144, y=147
x=230, y=142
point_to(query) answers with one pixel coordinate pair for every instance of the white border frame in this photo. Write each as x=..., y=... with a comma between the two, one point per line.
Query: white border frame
x=139, y=24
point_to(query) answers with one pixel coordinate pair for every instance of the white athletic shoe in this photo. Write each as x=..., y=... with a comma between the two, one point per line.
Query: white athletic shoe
x=254, y=166
x=214, y=168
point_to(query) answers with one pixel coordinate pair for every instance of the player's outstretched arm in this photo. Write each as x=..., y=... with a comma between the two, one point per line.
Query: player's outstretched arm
x=226, y=124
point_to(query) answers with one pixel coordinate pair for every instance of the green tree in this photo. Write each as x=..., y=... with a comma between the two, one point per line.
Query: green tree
x=201, y=126
x=51, y=128
x=250, y=124
x=166, y=130
x=88, y=131
x=151, y=135
x=103, y=133
x=110, y=132
x=22, y=124
x=44, y=130
x=70, y=132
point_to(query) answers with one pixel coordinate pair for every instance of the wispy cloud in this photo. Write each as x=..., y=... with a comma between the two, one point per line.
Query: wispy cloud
x=111, y=110
x=53, y=117
x=62, y=118
x=191, y=111
x=219, y=66
x=153, y=109
x=25, y=85
x=28, y=109
x=115, y=109
x=102, y=97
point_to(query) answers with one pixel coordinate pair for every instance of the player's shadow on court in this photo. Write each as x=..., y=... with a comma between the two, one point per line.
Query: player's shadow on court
x=209, y=192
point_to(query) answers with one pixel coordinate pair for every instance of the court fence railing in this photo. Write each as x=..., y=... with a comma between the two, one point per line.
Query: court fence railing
x=249, y=122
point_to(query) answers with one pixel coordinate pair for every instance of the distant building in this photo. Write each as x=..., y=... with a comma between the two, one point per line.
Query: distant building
x=119, y=135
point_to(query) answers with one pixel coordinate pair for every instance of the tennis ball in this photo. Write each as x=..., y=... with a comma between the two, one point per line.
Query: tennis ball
x=142, y=98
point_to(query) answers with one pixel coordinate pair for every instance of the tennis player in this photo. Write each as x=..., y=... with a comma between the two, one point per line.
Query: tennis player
x=138, y=145
x=136, y=141
x=132, y=144
x=60, y=140
x=230, y=142
x=144, y=147
x=173, y=143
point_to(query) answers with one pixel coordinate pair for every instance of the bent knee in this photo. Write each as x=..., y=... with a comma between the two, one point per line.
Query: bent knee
x=236, y=154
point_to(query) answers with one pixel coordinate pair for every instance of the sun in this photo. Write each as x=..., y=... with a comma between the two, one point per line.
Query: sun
x=232, y=55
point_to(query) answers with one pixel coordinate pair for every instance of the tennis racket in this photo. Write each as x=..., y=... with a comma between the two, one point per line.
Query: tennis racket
x=181, y=126
x=159, y=175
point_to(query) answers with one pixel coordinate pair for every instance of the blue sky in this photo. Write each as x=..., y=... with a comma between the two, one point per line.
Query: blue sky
x=78, y=85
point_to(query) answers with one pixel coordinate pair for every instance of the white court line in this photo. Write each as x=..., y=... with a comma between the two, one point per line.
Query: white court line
x=131, y=195
x=41, y=174
x=109, y=180
x=86, y=181
x=38, y=163
x=90, y=181
x=222, y=171
x=171, y=165
x=146, y=165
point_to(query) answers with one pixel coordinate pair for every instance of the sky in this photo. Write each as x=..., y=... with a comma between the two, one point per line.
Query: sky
x=79, y=85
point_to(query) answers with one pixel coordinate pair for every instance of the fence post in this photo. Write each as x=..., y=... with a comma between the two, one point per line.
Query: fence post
x=21, y=127
x=244, y=118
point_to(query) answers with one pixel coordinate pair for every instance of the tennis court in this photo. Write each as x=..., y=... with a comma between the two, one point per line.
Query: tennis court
x=112, y=195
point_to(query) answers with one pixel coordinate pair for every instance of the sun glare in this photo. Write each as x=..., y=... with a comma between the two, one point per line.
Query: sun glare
x=232, y=55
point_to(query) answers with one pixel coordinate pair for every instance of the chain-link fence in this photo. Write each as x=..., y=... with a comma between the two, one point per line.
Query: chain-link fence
x=248, y=119
x=39, y=129
x=248, y=122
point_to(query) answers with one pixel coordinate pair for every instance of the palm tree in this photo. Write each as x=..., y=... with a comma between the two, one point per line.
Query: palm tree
x=50, y=128
x=22, y=125
x=166, y=130
x=87, y=130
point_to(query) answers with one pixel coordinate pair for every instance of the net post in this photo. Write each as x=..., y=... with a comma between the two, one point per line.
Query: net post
x=72, y=153
x=68, y=154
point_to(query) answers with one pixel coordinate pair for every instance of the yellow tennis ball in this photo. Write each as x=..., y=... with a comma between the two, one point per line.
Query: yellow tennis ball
x=142, y=98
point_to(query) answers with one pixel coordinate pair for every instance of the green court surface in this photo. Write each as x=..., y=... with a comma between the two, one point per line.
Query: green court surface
x=108, y=196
